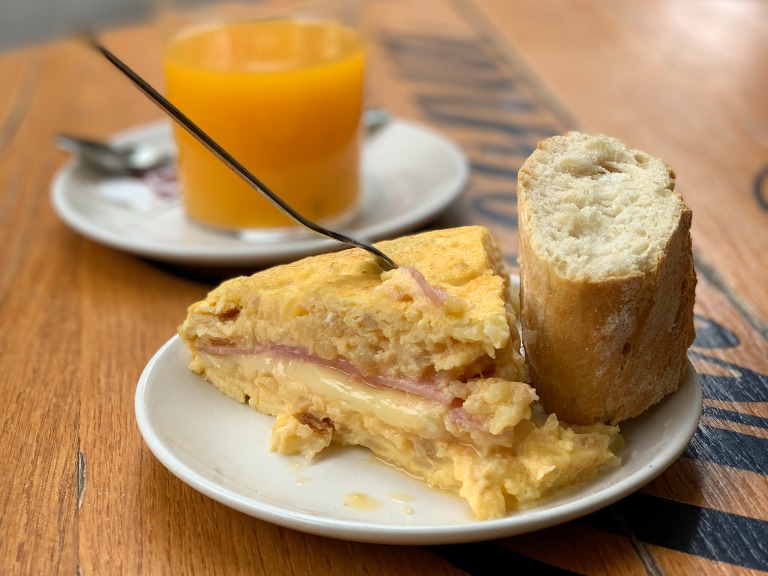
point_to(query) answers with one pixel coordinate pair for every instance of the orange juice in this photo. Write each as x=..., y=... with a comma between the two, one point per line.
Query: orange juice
x=284, y=97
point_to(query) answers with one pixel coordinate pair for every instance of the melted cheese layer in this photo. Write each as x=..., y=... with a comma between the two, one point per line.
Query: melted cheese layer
x=395, y=408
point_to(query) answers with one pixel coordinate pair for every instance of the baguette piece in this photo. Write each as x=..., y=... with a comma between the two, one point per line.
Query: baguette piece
x=607, y=278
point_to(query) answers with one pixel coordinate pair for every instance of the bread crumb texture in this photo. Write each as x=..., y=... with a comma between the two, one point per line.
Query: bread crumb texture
x=597, y=207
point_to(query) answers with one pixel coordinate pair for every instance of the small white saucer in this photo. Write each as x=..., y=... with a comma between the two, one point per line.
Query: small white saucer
x=410, y=174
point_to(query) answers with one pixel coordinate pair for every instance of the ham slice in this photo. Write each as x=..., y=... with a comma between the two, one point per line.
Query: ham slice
x=430, y=389
x=435, y=295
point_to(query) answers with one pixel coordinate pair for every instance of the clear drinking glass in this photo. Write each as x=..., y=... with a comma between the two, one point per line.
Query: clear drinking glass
x=280, y=86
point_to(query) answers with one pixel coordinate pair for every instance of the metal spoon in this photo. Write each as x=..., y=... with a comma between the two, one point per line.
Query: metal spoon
x=180, y=118
x=141, y=157
x=115, y=158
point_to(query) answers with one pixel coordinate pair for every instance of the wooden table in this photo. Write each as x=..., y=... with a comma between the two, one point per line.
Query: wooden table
x=684, y=80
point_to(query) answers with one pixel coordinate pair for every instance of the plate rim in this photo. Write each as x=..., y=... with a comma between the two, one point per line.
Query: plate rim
x=256, y=253
x=453, y=533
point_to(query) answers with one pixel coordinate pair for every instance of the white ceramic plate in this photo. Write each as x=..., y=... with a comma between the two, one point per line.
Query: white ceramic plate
x=220, y=447
x=410, y=175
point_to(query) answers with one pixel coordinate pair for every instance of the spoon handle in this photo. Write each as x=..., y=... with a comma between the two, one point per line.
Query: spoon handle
x=196, y=132
x=95, y=153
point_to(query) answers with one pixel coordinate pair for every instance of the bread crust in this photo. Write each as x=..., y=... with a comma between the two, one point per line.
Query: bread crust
x=606, y=348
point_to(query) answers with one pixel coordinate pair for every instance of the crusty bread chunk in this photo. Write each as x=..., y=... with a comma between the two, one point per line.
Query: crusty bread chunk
x=607, y=278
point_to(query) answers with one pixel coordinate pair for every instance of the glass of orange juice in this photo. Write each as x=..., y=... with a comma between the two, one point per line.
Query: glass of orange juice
x=283, y=93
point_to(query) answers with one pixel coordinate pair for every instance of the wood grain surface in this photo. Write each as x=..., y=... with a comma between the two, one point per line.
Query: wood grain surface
x=684, y=80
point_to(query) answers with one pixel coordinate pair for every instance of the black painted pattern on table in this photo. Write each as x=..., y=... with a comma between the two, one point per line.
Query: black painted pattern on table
x=498, y=116
x=760, y=188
